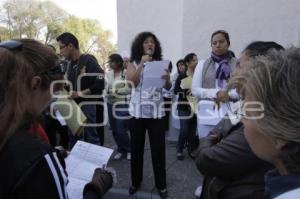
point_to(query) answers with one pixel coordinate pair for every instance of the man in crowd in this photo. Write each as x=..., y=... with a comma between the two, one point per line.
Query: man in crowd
x=85, y=88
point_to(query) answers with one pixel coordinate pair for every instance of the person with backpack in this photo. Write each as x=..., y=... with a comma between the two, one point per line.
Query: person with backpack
x=85, y=88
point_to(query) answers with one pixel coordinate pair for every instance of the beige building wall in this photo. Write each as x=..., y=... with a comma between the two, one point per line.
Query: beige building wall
x=185, y=26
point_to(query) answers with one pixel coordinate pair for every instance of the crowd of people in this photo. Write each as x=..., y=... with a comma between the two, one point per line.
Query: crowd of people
x=250, y=152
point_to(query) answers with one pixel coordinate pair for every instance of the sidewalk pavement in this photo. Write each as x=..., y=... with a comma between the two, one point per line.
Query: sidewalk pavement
x=182, y=176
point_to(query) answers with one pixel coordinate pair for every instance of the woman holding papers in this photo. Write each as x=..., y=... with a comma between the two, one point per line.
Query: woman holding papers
x=117, y=104
x=146, y=108
x=188, y=120
x=30, y=168
x=212, y=76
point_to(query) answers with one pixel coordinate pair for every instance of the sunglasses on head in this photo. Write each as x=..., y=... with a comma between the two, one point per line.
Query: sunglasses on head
x=13, y=45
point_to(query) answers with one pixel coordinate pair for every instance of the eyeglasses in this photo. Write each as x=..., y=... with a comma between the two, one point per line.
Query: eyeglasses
x=12, y=45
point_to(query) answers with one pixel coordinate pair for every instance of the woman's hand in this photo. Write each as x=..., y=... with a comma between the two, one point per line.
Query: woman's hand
x=75, y=94
x=101, y=182
x=146, y=58
x=126, y=61
x=222, y=96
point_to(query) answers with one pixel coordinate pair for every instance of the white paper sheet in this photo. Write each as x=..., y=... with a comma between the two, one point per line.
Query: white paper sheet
x=153, y=71
x=81, y=163
x=60, y=118
x=75, y=188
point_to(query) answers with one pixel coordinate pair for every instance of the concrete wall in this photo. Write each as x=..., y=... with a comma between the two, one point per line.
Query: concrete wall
x=163, y=18
x=185, y=26
x=245, y=20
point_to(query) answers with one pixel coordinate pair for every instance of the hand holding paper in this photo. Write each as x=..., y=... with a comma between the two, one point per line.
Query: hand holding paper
x=81, y=164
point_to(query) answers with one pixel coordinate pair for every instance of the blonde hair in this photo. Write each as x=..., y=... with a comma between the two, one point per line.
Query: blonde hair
x=17, y=67
x=274, y=80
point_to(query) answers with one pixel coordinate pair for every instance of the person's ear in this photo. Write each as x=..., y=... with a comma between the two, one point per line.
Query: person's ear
x=279, y=143
x=35, y=82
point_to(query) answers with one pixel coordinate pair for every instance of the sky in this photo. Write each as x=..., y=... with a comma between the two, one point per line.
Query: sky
x=105, y=11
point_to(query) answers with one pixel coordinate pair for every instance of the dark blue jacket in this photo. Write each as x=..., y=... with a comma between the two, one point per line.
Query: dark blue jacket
x=277, y=184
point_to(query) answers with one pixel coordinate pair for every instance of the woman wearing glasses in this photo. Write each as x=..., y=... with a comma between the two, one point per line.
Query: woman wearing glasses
x=30, y=168
x=230, y=168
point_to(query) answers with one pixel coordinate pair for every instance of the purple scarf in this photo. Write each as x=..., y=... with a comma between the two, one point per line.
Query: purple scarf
x=223, y=71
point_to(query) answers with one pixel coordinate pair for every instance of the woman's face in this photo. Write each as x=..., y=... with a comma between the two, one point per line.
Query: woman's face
x=113, y=65
x=193, y=63
x=65, y=50
x=149, y=46
x=243, y=59
x=262, y=145
x=219, y=44
x=181, y=67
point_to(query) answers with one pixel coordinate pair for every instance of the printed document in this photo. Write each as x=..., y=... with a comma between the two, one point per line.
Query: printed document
x=153, y=72
x=186, y=83
x=81, y=163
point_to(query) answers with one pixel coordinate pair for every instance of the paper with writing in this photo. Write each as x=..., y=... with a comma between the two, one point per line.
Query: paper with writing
x=153, y=72
x=81, y=163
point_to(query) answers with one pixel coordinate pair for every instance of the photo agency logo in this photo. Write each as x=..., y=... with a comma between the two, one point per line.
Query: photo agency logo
x=123, y=90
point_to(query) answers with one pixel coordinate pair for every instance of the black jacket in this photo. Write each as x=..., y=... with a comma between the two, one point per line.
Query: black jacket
x=30, y=169
x=230, y=168
x=86, y=64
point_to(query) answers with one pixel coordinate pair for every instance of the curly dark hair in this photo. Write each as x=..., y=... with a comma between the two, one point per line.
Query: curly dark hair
x=137, y=50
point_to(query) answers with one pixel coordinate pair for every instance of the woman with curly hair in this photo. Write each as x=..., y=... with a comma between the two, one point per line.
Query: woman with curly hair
x=147, y=116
